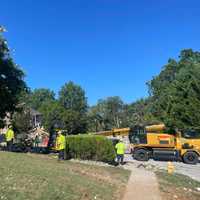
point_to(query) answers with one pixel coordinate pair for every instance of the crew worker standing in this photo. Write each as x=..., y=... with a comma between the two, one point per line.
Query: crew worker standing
x=9, y=138
x=120, y=147
x=60, y=145
x=36, y=141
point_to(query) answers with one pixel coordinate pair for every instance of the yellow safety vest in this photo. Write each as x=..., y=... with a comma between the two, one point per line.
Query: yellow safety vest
x=120, y=148
x=9, y=135
x=60, y=142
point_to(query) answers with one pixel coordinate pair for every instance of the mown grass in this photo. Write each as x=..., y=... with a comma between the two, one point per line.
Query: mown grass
x=177, y=186
x=35, y=177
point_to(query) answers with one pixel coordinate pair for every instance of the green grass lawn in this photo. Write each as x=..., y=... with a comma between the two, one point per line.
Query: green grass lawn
x=41, y=177
x=178, y=186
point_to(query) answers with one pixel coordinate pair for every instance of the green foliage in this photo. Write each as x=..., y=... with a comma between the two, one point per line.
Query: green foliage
x=89, y=147
x=11, y=81
x=51, y=115
x=138, y=113
x=43, y=100
x=72, y=97
x=68, y=112
x=74, y=103
x=21, y=120
x=176, y=92
x=113, y=113
x=114, y=108
x=107, y=114
x=39, y=97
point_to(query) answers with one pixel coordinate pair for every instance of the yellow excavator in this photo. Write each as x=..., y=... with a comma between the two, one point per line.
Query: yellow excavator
x=154, y=142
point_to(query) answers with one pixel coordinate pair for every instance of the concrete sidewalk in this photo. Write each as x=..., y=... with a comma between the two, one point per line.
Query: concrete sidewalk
x=142, y=185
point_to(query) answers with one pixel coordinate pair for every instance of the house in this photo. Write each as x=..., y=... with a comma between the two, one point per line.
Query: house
x=36, y=118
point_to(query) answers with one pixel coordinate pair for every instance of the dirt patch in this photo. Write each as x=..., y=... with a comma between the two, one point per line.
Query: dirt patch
x=178, y=187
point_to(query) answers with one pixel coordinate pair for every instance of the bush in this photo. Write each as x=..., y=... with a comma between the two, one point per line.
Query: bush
x=90, y=147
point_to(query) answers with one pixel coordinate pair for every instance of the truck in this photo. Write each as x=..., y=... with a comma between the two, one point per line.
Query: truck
x=154, y=142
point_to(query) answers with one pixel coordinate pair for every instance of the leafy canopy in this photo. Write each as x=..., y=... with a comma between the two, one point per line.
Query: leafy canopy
x=11, y=81
x=74, y=102
x=176, y=92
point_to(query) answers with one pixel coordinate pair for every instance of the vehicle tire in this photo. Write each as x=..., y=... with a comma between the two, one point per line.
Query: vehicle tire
x=141, y=155
x=191, y=158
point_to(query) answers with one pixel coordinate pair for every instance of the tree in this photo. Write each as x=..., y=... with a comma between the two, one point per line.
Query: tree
x=74, y=116
x=96, y=120
x=51, y=115
x=114, y=107
x=11, y=81
x=22, y=120
x=176, y=92
x=138, y=113
x=107, y=114
x=39, y=97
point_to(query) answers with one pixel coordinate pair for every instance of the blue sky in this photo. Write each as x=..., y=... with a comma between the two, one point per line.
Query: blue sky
x=109, y=47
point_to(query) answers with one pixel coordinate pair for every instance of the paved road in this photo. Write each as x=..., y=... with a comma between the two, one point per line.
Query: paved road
x=192, y=171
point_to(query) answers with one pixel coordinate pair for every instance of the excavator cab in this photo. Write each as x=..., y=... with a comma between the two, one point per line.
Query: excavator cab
x=138, y=135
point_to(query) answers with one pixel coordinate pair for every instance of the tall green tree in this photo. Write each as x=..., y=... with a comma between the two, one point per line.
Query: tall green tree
x=107, y=114
x=40, y=96
x=11, y=80
x=138, y=113
x=74, y=102
x=97, y=120
x=51, y=115
x=176, y=92
x=22, y=121
x=114, y=107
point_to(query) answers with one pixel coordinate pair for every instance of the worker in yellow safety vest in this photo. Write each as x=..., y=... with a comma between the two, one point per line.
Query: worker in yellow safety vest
x=60, y=145
x=10, y=137
x=120, y=147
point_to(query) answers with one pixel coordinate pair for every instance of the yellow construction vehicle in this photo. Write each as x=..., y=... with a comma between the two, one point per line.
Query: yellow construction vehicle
x=153, y=142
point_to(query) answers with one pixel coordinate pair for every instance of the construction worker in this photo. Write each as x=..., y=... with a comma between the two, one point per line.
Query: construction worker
x=36, y=141
x=9, y=138
x=120, y=147
x=60, y=145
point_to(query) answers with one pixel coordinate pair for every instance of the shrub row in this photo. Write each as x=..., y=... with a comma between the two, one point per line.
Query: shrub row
x=90, y=147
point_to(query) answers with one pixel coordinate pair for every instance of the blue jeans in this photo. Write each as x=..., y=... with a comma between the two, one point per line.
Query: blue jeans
x=61, y=154
x=9, y=145
x=120, y=158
